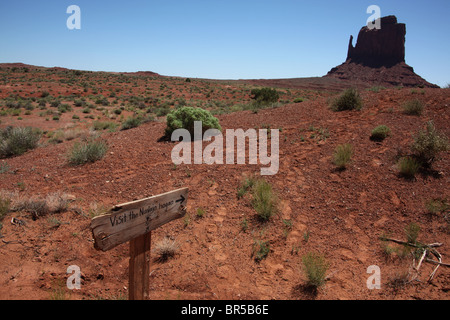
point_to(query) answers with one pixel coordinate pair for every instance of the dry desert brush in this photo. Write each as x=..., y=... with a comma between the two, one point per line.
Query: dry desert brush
x=166, y=248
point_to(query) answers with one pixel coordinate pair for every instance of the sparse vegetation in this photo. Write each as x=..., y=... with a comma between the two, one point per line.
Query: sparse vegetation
x=348, y=100
x=200, y=212
x=437, y=205
x=18, y=140
x=265, y=202
x=166, y=248
x=87, y=151
x=408, y=167
x=104, y=125
x=428, y=144
x=342, y=155
x=38, y=207
x=246, y=185
x=413, y=107
x=380, y=133
x=315, y=268
x=261, y=250
x=131, y=122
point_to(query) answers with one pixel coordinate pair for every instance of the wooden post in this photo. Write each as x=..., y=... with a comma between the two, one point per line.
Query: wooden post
x=133, y=222
x=139, y=269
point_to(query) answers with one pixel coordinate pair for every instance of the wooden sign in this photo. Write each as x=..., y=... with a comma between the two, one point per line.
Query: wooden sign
x=127, y=221
x=133, y=222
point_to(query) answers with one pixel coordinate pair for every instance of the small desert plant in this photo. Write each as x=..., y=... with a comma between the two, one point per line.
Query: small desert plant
x=244, y=225
x=184, y=118
x=85, y=152
x=298, y=100
x=104, y=125
x=201, y=212
x=408, y=166
x=342, y=155
x=246, y=185
x=4, y=207
x=438, y=205
x=315, y=268
x=16, y=141
x=265, y=201
x=131, y=122
x=380, y=133
x=348, y=100
x=429, y=143
x=261, y=250
x=166, y=248
x=412, y=233
x=413, y=107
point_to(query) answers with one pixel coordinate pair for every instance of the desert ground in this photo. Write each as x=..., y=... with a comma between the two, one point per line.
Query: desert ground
x=340, y=214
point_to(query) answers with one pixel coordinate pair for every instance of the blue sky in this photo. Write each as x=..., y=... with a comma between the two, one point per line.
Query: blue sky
x=230, y=39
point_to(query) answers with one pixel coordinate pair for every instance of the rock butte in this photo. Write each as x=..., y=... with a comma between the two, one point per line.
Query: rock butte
x=379, y=58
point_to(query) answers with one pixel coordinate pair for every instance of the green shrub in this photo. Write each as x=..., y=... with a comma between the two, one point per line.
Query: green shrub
x=184, y=118
x=348, y=100
x=298, y=100
x=265, y=95
x=408, y=166
x=315, y=268
x=428, y=144
x=342, y=155
x=18, y=140
x=380, y=133
x=104, y=125
x=265, y=201
x=413, y=107
x=79, y=103
x=131, y=122
x=85, y=152
x=63, y=108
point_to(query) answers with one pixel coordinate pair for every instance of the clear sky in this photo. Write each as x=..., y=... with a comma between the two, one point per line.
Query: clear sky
x=219, y=39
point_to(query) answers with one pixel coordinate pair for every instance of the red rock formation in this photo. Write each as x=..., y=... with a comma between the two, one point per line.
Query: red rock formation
x=380, y=47
x=379, y=58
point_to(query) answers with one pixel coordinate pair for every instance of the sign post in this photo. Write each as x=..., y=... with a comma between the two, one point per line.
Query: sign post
x=133, y=222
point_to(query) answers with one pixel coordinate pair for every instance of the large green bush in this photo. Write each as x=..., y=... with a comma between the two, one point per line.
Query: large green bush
x=184, y=118
x=265, y=95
